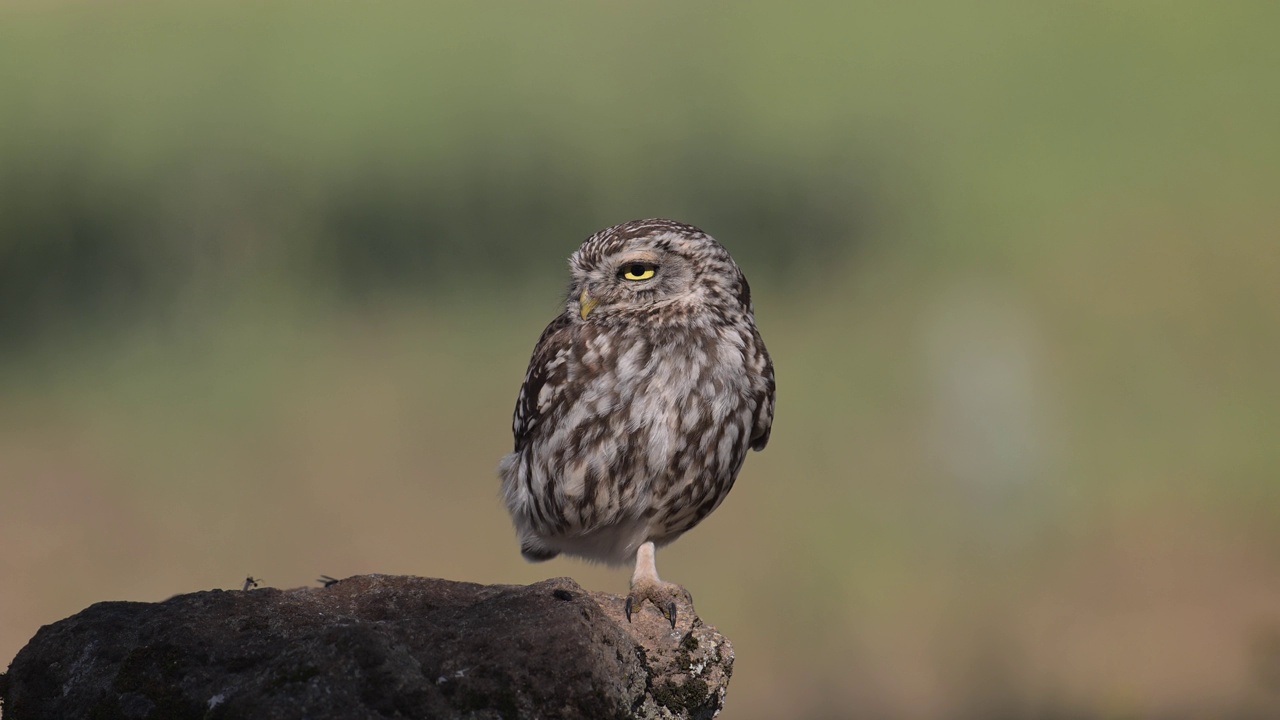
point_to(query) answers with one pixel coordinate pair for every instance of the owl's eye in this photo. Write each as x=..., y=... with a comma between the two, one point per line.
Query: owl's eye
x=637, y=271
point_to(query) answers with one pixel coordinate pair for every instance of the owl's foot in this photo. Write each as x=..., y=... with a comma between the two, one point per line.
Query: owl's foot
x=665, y=596
x=645, y=585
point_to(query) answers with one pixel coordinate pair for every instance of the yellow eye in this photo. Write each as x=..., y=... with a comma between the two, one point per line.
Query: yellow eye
x=638, y=271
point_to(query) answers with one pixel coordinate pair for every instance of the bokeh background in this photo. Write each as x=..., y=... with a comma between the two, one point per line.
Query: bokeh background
x=270, y=273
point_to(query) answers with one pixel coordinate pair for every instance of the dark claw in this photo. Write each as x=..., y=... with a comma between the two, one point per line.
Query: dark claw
x=672, y=608
x=628, y=608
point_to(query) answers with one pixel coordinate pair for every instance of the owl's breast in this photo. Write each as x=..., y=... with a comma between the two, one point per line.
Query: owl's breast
x=687, y=414
x=645, y=425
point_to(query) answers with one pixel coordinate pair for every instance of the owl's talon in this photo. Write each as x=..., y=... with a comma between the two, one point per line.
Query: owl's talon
x=666, y=598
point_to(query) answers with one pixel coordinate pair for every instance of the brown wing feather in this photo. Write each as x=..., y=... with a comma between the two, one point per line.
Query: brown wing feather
x=527, y=413
x=762, y=425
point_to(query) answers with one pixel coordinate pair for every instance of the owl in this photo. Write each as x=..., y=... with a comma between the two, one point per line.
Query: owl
x=639, y=405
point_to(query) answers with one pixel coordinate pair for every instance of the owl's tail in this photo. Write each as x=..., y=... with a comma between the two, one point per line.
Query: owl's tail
x=537, y=553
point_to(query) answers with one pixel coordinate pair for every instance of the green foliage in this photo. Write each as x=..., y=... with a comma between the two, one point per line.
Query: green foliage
x=150, y=150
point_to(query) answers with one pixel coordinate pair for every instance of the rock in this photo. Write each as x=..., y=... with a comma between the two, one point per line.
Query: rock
x=372, y=646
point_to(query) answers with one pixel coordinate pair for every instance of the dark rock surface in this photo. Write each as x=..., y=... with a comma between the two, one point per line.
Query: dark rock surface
x=372, y=647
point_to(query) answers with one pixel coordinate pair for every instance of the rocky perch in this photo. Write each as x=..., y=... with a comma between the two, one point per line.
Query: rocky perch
x=372, y=646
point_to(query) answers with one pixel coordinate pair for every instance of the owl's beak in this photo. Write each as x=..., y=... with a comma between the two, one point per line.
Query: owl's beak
x=588, y=303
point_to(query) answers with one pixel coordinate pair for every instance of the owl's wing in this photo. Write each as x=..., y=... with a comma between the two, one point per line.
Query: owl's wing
x=546, y=366
x=762, y=424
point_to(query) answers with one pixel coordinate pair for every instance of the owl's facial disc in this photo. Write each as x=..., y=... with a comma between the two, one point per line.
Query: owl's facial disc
x=636, y=270
x=633, y=278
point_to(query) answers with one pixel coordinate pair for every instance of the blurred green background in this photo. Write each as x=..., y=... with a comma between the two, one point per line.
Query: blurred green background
x=270, y=274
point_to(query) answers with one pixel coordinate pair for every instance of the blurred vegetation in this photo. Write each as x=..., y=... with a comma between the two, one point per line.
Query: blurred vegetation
x=149, y=149
x=270, y=273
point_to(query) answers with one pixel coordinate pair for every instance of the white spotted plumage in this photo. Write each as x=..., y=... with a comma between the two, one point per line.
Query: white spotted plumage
x=641, y=398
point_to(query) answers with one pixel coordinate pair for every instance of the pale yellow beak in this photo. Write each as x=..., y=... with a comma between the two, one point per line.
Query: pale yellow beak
x=588, y=303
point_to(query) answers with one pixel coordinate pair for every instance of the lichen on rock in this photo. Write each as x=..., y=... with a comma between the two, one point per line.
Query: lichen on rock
x=372, y=646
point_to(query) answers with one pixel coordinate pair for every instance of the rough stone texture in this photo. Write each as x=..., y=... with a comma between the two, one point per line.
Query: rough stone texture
x=372, y=647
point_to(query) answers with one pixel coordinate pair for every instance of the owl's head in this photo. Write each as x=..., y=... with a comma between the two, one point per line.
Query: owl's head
x=646, y=265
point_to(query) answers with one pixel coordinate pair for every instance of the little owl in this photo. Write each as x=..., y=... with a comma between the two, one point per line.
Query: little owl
x=639, y=403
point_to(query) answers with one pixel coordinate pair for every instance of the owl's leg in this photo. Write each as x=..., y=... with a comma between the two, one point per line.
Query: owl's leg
x=645, y=585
